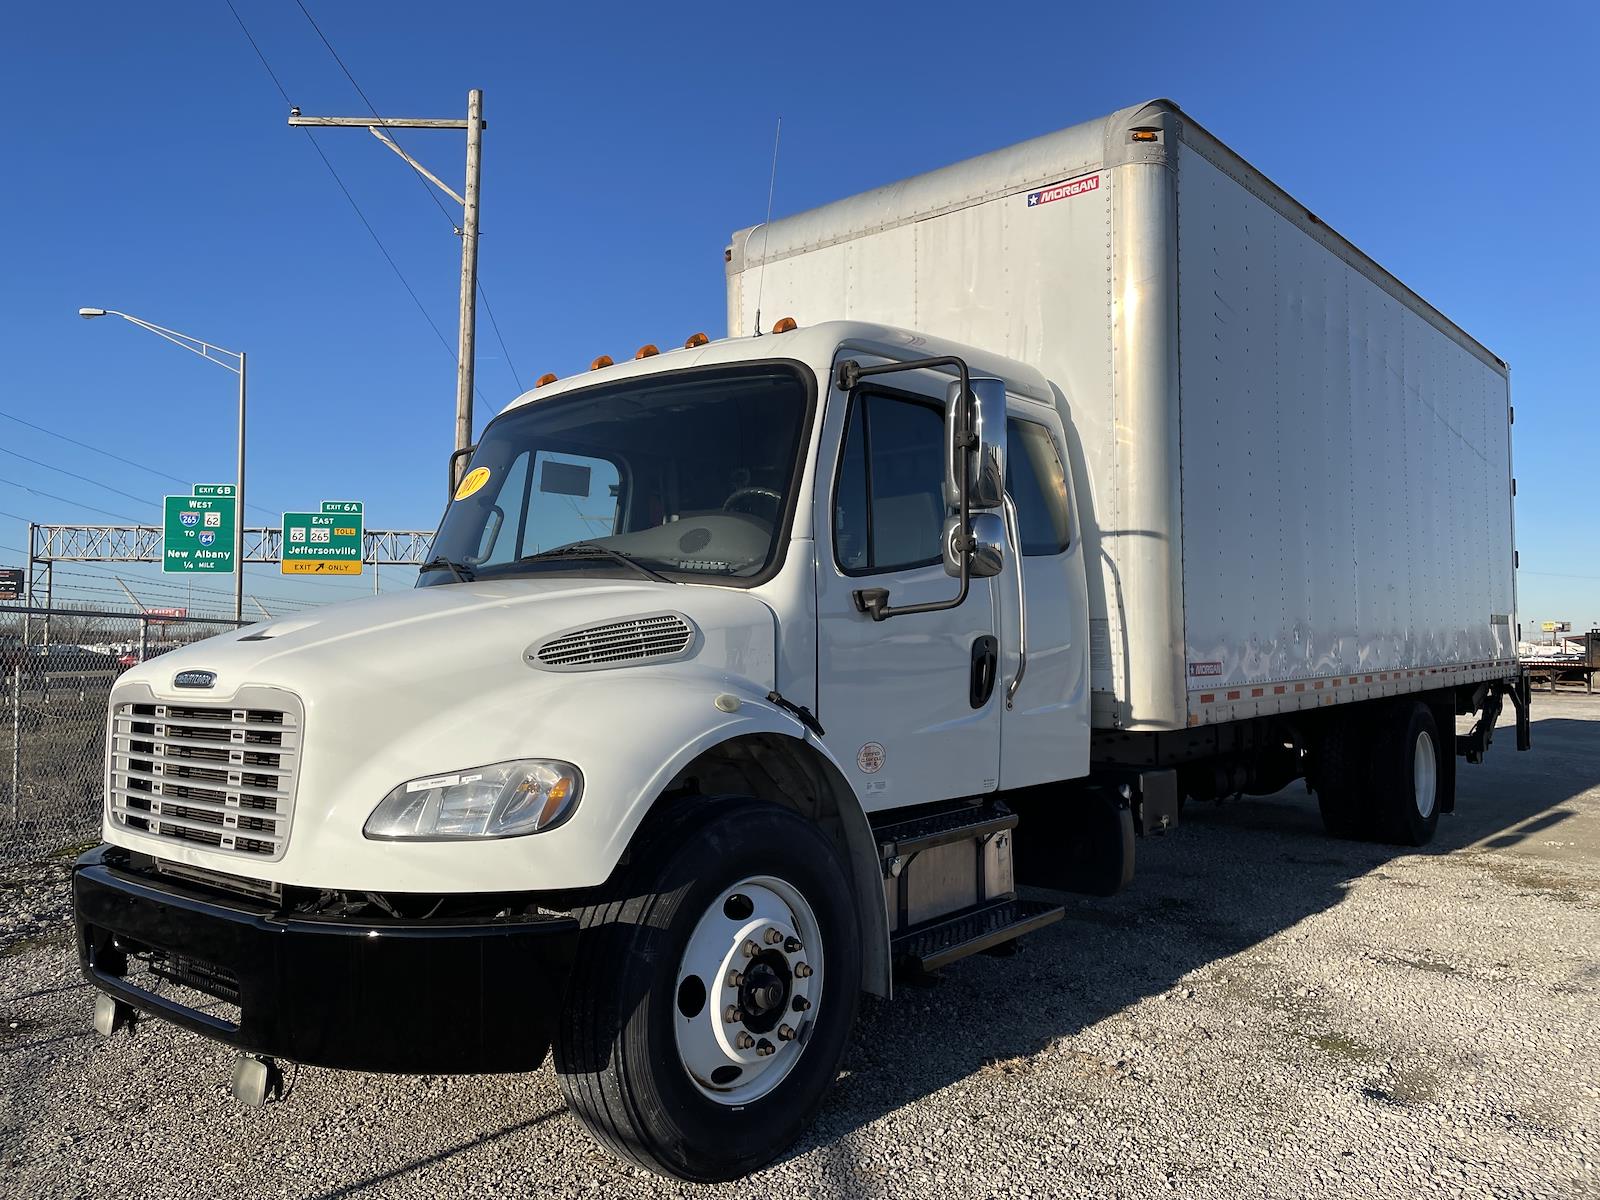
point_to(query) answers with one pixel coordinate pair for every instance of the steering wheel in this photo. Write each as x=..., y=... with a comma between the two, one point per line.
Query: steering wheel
x=767, y=494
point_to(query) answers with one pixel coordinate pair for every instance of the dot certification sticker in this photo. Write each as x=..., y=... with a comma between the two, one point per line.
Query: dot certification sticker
x=869, y=759
x=472, y=481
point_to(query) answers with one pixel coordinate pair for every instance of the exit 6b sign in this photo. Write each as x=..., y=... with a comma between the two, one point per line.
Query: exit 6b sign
x=324, y=543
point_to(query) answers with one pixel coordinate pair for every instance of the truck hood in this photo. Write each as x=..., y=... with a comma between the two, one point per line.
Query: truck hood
x=424, y=637
x=448, y=678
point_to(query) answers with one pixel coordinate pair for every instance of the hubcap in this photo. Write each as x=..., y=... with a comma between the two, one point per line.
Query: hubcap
x=755, y=957
x=1424, y=776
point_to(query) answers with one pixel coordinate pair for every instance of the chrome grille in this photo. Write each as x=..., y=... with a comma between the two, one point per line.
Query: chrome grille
x=217, y=776
x=663, y=635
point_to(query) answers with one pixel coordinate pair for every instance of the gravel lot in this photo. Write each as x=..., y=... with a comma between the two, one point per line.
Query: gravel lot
x=1265, y=1012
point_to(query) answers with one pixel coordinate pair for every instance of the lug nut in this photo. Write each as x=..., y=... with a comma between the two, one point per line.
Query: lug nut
x=802, y=971
x=801, y=1004
x=735, y=979
x=785, y=1033
x=791, y=945
x=751, y=949
x=764, y=1048
x=733, y=1015
x=744, y=1041
x=773, y=937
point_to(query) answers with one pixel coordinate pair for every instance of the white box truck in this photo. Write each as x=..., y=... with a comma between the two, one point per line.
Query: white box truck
x=1078, y=479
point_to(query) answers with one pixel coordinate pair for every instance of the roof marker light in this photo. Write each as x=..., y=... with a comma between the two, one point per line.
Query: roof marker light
x=696, y=339
x=648, y=350
x=786, y=325
x=547, y=377
x=603, y=361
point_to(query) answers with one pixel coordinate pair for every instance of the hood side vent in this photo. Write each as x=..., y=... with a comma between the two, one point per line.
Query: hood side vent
x=617, y=644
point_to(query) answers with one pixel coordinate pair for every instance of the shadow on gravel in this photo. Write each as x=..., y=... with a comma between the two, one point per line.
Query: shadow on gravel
x=1231, y=876
x=439, y=1156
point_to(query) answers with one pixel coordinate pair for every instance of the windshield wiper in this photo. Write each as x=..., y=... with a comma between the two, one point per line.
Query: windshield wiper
x=461, y=571
x=589, y=549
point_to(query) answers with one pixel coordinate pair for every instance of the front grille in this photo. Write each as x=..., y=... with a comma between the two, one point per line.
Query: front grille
x=663, y=635
x=219, y=777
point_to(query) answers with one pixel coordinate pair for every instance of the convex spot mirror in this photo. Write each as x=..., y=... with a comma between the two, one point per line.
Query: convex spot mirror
x=986, y=457
x=989, y=545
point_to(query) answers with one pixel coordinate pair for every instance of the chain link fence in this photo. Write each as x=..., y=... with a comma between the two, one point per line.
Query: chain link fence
x=57, y=668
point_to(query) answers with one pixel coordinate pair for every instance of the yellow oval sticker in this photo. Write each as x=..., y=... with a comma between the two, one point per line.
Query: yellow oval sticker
x=472, y=481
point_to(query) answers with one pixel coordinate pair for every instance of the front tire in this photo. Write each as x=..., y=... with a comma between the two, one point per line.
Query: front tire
x=713, y=993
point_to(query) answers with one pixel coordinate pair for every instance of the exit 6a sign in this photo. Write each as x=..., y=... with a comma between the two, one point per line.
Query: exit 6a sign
x=328, y=542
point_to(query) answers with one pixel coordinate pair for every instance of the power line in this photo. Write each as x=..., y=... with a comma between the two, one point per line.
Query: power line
x=77, y=503
x=422, y=182
x=63, y=471
x=426, y=186
x=484, y=296
x=127, y=461
x=361, y=216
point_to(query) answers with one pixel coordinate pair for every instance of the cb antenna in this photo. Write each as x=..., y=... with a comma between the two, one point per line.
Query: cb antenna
x=766, y=226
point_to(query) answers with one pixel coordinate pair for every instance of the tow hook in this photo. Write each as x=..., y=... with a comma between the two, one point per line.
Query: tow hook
x=255, y=1079
x=110, y=1015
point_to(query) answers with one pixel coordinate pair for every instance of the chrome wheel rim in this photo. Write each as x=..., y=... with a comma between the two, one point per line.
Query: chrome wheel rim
x=748, y=989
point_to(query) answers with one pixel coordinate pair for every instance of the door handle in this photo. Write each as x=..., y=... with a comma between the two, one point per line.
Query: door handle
x=985, y=664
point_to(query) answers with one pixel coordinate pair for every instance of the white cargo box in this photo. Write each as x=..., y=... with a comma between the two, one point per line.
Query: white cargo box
x=1294, y=474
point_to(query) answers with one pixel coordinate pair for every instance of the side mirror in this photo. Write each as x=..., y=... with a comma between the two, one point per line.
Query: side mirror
x=986, y=453
x=988, y=550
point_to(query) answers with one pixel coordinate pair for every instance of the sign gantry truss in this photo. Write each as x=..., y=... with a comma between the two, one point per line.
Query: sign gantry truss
x=142, y=543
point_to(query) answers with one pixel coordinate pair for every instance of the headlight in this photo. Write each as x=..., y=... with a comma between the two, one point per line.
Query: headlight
x=503, y=800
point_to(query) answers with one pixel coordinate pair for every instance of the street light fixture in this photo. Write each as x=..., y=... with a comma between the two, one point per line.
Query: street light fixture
x=207, y=351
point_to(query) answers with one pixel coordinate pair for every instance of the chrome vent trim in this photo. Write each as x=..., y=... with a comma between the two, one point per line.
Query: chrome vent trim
x=210, y=776
x=652, y=637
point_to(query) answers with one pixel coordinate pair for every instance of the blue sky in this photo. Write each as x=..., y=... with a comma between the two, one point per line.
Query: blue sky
x=149, y=168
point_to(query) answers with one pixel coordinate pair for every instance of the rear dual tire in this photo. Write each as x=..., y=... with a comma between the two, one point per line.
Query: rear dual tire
x=664, y=1060
x=1381, y=776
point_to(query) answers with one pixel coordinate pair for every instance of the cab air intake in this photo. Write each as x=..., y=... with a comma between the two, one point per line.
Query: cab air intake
x=617, y=644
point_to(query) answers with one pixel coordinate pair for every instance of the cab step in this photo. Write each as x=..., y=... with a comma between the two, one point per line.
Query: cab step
x=973, y=822
x=937, y=943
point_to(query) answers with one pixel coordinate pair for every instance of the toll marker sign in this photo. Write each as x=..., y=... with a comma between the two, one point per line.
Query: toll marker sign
x=328, y=542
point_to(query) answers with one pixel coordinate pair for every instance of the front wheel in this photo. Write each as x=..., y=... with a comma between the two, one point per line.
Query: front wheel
x=712, y=995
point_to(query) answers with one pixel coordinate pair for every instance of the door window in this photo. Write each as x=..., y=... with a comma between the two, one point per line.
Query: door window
x=1038, y=486
x=888, y=511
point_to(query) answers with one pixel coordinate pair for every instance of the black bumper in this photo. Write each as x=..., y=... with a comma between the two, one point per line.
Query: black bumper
x=413, y=997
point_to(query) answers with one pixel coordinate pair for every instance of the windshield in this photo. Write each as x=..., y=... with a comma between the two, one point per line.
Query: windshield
x=687, y=476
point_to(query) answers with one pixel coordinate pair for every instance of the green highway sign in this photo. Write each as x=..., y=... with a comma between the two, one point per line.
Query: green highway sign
x=197, y=531
x=213, y=489
x=324, y=543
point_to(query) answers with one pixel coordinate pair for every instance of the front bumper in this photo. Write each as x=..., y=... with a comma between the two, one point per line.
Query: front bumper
x=403, y=996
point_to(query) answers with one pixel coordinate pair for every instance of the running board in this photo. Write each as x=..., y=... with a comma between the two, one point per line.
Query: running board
x=938, y=943
x=905, y=838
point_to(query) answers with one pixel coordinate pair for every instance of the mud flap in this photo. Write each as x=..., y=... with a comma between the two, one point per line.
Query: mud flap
x=1082, y=842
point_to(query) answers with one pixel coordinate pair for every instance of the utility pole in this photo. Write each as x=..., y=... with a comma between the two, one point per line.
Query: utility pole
x=467, y=231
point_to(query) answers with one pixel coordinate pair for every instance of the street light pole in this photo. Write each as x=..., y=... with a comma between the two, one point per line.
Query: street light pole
x=206, y=351
x=238, y=510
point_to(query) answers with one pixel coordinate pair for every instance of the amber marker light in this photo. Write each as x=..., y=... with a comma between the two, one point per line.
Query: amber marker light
x=648, y=350
x=603, y=361
x=547, y=377
x=696, y=339
x=786, y=325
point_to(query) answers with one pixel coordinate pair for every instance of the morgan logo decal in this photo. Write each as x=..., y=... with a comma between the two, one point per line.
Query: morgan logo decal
x=1202, y=670
x=1063, y=191
x=869, y=759
x=194, y=679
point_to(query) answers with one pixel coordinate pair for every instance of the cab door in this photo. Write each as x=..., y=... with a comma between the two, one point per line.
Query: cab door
x=910, y=703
